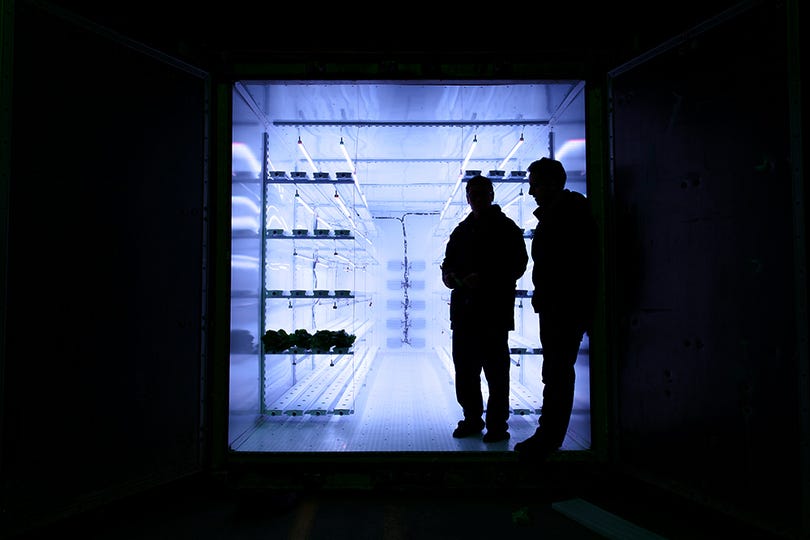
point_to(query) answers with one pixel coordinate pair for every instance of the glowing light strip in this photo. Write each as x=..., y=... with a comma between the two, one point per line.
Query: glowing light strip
x=348, y=158
x=343, y=207
x=511, y=153
x=467, y=157
x=316, y=260
x=344, y=259
x=304, y=203
x=460, y=176
x=569, y=146
x=242, y=151
x=354, y=171
x=245, y=222
x=306, y=155
x=246, y=201
x=450, y=198
x=245, y=262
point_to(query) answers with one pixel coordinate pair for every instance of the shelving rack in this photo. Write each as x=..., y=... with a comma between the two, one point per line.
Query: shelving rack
x=315, y=237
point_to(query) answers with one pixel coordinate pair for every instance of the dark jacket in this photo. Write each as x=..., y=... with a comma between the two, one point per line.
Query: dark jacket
x=565, y=261
x=492, y=246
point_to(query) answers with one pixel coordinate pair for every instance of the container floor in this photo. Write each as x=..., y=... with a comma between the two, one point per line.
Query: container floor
x=405, y=402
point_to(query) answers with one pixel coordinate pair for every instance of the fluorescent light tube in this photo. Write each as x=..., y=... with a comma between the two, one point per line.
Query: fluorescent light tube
x=468, y=156
x=348, y=158
x=306, y=155
x=304, y=203
x=511, y=153
x=353, y=171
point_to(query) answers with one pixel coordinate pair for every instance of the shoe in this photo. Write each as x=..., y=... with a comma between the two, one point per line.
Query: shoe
x=495, y=436
x=534, y=448
x=465, y=429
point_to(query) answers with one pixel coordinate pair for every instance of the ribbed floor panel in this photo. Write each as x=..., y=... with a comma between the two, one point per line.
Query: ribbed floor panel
x=407, y=403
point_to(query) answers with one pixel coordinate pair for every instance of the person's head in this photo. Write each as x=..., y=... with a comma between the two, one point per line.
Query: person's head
x=480, y=193
x=546, y=179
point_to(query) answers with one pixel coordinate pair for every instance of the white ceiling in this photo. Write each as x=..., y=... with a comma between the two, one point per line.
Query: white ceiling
x=408, y=139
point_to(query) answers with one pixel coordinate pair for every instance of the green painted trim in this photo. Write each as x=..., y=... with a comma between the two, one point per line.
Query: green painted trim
x=601, y=354
x=219, y=226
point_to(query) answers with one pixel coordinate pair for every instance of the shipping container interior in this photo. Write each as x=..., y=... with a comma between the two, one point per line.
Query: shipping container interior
x=343, y=197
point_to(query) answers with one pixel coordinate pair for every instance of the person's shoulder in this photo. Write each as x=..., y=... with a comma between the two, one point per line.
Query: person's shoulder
x=576, y=199
x=505, y=219
x=575, y=195
x=462, y=225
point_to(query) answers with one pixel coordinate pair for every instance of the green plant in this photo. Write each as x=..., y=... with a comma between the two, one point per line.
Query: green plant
x=301, y=339
x=343, y=340
x=322, y=341
x=278, y=341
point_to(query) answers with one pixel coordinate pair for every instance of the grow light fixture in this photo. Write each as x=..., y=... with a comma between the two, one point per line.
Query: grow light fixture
x=348, y=158
x=343, y=207
x=511, y=153
x=468, y=156
x=301, y=200
x=461, y=174
x=353, y=170
x=306, y=155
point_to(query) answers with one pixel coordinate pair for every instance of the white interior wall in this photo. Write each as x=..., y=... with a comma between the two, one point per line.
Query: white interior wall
x=409, y=287
x=407, y=174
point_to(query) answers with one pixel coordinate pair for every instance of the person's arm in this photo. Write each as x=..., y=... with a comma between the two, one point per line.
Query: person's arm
x=521, y=254
x=516, y=257
x=449, y=277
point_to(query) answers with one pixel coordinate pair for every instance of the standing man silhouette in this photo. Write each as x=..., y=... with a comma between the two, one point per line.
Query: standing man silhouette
x=564, y=253
x=484, y=257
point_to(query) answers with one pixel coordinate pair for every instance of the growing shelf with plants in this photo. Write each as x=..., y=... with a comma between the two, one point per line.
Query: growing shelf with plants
x=316, y=255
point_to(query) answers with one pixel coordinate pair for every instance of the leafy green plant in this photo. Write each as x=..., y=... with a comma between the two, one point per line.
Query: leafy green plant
x=301, y=339
x=276, y=341
x=323, y=341
x=343, y=340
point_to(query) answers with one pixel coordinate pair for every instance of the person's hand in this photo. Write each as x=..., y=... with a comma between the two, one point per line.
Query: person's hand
x=472, y=281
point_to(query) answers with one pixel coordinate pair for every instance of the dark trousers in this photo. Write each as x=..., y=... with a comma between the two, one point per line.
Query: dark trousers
x=476, y=349
x=561, y=340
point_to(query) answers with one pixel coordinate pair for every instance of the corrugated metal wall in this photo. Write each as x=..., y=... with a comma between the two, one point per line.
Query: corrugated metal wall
x=708, y=356
x=102, y=380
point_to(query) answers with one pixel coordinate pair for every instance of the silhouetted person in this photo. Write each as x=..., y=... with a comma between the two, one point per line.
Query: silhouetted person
x=564, y=277
x=484, y=257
